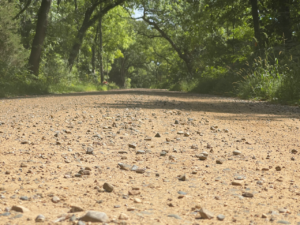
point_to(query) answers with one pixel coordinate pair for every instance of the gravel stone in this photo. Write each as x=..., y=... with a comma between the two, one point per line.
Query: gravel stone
x=94, y=216
x=206, y=214
x=108, y=187
x=220, y=217
x=40, y=218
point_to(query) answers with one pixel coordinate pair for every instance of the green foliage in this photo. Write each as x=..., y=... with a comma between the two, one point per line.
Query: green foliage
x=200, y=46
x=289, y=90
x=12, y=54
x=29, y=86
x=128, y=83
x=262, y=80
x=271, y=79
x=184, y=86
x=217, y=80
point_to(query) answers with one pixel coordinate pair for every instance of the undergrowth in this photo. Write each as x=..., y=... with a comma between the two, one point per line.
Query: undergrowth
x=80, y=87
x=37, y=87
x=272, y=77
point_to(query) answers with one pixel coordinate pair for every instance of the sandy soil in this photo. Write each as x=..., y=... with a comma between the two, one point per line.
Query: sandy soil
x=214, y=156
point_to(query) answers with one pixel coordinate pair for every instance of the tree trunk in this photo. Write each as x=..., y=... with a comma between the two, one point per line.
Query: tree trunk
x=80, y=35
x=255, y=18
x=94, y=53
x=285, y=20
x=101, y=48
x=40, y=34
x=118, y=72
x=93, y=59
x=75, y=4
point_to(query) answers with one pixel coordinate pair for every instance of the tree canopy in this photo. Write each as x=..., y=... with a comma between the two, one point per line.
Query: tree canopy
x=244, y=48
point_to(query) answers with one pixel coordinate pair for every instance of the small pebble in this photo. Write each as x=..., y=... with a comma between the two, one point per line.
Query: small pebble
x=90, y=151
x=220, y=217
x=55, y=199
x=283, y=222
x=40, y=218
x=108, y=187
x=183, y=178
x=247, y=195
x=237, y=182
x=175, y=216
x=137, y=200
x=123, y=216
x=236, y=152
x=24, y=198
x=220, y=161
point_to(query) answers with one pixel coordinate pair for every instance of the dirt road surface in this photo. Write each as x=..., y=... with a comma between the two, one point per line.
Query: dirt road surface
x=164, y=157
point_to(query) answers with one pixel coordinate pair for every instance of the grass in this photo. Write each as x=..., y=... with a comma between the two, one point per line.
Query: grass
x=80, y=87
x=13, y=89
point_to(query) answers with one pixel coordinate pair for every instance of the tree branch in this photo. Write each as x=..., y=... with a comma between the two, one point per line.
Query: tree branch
x=164, y=35
x=160, y=56
x=22, y=10
x=148, y=35
x=104, y=11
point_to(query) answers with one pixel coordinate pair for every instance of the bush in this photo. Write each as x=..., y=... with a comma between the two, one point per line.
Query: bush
x=184, y=86
x=215, y=80
x=289, y=90
x=262, y=80
x=127, y=83
x=272, y=78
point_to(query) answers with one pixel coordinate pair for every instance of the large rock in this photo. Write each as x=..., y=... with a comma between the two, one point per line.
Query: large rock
x=94, y=216
x=19, y=208
x=205, y=214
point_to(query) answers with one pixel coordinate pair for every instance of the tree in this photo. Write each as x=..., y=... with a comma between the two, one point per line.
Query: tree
x=88, y=21
x=172, y=43
x=255, y=17
x=285, y=19
x=101, y=49
x=40, y=34
x=94, y=53
x=159, y=17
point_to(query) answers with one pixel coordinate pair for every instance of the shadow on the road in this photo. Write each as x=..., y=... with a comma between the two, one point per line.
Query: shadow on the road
x=150, y=92
x=185, y=101
x=236, y=110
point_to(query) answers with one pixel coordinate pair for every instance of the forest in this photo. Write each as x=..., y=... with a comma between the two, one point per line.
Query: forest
x=244, y=48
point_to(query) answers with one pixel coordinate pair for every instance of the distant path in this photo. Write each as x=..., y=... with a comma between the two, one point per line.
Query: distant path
x=194, y=101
